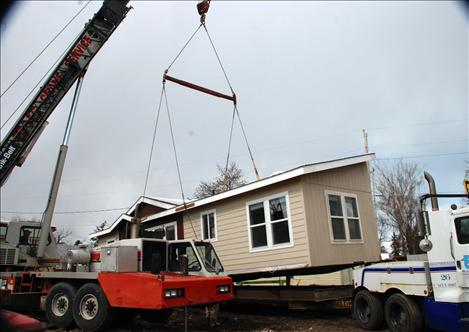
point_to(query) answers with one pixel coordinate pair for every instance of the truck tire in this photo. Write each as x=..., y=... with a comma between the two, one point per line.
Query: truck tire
x=91, y=309
x=59, y=305
x=367, y=310
x=402, y=314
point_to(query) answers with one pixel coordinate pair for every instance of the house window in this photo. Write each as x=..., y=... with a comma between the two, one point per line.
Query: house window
x=170, y=231
x=269, y=223
x=344, y=217
x=208, y=225
x=3, y=231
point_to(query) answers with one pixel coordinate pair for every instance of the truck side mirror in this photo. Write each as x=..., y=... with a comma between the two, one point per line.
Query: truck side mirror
x=184, y=261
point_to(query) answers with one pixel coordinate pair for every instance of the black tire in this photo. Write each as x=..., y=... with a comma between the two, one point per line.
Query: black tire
x=156, y=316
x=402, y=314
x=91, y=309
x=59, y=305
x=367, y=310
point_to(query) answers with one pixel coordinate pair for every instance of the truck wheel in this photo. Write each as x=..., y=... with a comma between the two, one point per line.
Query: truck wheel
x=59, y=305
x=91, y=309
x=402, y=314
x=367, y=310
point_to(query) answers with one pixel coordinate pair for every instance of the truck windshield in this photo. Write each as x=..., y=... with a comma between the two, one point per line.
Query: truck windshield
x=462, y=229
x=209, y=257
x=176, y=250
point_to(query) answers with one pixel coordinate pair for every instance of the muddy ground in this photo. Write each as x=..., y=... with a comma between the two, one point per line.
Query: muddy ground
x=246, y=317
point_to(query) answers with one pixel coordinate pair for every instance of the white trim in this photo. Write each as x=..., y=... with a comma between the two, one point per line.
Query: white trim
x=111, y=228
x=214, y=211
x=302, y=170
x=161, y=203
x=175, y=224
x=268, y=223
x=342, y=196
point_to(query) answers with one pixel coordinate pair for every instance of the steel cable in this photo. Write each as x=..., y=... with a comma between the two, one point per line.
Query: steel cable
x=45, y=48
x=177, y=161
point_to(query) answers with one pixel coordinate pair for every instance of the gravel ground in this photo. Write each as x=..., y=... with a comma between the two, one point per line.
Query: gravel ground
x=245, y=317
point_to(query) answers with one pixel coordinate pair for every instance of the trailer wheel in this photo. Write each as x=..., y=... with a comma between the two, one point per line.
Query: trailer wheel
x=402, y=314
x=91, y=309
x=367, y=310
x=59, y=305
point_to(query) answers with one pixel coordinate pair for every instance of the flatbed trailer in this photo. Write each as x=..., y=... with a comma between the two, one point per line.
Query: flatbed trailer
x=296, y=297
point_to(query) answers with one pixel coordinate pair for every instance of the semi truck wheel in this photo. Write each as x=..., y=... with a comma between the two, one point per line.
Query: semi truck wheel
x=91, y=310
x=402, y=314
x=59, y=305
x=367, y=310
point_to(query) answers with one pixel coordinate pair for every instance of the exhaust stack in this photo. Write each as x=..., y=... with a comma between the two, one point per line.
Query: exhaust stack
x=432, y=189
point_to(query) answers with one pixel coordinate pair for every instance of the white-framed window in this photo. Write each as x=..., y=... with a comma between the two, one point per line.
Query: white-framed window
x=171, y=231
x=344, y=217
x=208, y=225
x=168, y=231
x=269, y=223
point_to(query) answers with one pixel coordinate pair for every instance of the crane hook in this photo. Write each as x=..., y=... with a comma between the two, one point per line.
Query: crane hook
x=202, y=8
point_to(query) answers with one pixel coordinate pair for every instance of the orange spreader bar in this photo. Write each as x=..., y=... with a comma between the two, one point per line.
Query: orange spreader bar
x=199, y=88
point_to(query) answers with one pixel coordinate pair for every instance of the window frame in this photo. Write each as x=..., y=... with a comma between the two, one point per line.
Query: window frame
x=208, y=212
x=4, y=237
x=458, y=234
x=345, y=217
x=172, y=223
x=32, y=240
x=268, y=223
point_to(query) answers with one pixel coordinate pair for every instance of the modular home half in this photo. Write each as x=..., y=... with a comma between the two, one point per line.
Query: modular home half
x=316, y=218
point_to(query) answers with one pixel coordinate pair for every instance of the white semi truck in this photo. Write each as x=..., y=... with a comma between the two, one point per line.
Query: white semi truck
x=431, y=291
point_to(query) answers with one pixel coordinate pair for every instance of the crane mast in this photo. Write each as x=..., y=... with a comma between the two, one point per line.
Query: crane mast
x=24, y=133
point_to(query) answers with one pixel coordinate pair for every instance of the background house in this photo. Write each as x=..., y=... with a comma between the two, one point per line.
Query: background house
x=315, y=218
x=145, y=205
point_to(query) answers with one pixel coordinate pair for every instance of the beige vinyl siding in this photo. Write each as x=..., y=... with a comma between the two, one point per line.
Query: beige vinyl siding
x=113, y=236
x=232, y=242
x=352, y=179
x=338, y=278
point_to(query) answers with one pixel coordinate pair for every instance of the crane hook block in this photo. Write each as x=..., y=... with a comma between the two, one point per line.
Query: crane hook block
x=202, y=8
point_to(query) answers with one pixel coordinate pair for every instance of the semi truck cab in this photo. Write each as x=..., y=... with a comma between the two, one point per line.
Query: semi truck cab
x=425, y=291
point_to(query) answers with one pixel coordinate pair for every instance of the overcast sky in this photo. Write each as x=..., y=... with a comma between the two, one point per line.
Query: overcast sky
x=309, y=76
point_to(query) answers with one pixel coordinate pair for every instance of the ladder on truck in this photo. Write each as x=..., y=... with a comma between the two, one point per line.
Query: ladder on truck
x=24, y=133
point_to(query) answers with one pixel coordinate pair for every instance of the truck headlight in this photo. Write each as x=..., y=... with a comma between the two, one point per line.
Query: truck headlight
x=223, y=289
x=173, y=293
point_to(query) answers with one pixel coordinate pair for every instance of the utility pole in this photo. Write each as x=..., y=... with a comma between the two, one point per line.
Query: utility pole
x=365, y=140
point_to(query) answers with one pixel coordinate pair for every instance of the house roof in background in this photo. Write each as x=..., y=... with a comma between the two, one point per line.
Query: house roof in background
x=164, y=203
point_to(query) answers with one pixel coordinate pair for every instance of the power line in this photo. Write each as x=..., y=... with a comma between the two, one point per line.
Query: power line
x=45, y=48
x=68, y=212
x=414, y=144
x=418, y=124
x=426, y=155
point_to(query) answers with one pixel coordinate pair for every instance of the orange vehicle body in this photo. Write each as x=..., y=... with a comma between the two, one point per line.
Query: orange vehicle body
x=146, y=291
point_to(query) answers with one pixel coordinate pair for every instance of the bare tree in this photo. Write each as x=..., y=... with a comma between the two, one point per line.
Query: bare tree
x=62, y=235
x=228, y=179
x=397, y=202
x=101, y=226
